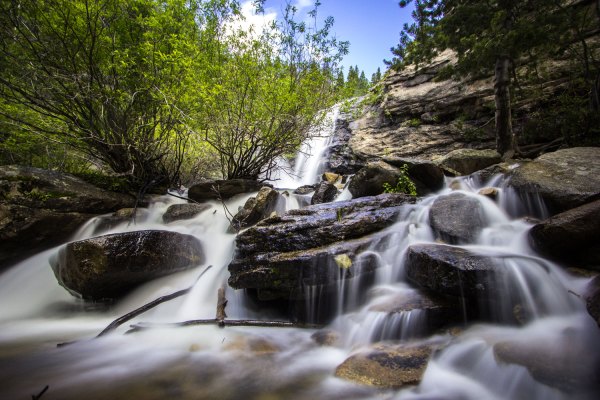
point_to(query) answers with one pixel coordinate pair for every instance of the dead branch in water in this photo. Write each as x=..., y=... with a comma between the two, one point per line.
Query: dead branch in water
x=228, y=322
x=221, y=304
x=121, y=320
x=40, y=394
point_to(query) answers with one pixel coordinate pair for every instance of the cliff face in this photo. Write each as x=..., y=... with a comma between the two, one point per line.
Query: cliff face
x=419, y=114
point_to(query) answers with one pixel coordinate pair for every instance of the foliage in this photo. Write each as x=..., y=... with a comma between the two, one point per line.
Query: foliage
x=106, y=77
x=264, y=90
x=404, y=184
x=496, y=36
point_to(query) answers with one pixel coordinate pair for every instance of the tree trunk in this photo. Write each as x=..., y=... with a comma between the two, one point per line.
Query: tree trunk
x=505, y=139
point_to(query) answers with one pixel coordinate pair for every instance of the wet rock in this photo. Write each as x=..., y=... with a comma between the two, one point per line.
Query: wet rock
x=109, y=266
x=177, y=212
x=592, y=299
x=369, y=180
x=564, y=179
x=319, y=245
x=453, y=271
x=566, y=362
x=256, y=208
x=222, y=189
x=326, y=337
x=325, y=193
x=306, y=189
x=426, y=175
x=321, y=224
x=386, y=366
x=489, y=192
x=252, y=346
x=331, y=177
x=436, y=311
x=129, y=215
x=468, y=161
x=571, y=237
x=40, y=209
x=457, y=218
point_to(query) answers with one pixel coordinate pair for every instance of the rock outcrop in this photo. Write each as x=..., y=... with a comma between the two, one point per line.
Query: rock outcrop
x=467, y=161
x=326, y=192
x=571, y=237
x=315, y=245
x=40, y=209
x=109, y=266
x=370, y=180
x=564, y=179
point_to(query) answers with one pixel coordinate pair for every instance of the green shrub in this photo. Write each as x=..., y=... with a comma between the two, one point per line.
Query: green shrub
x=404, y=184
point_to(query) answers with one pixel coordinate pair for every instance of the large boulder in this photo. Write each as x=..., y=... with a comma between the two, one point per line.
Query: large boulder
x=222, y=189
x=426, y=175
x=453, y=271
x=370, y=180
x=564, y=179
x=570, y=237
x=178, y=212
x=325, y=193
x=109, y=266
x=457, y=218
x=316, y=245
x=40, y=209
x=256, y=208
x=386, y=366
x=468, y=161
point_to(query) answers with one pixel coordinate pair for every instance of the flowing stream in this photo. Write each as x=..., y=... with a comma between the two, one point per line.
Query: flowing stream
x=208, y=362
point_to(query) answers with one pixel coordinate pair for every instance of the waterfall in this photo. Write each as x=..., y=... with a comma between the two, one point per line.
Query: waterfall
x=207, y=362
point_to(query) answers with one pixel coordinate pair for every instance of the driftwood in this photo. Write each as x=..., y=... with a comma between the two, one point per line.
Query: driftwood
x=40, y=394
x=121, y=320
x=228, y=322
x=221, y=304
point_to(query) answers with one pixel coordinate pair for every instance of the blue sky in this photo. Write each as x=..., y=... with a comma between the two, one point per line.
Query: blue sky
x=371, y=27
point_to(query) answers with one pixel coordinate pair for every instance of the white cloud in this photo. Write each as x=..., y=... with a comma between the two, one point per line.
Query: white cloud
x=301, y=4
x=250, y=21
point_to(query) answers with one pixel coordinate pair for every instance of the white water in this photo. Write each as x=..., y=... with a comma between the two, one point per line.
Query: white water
x=205, y=362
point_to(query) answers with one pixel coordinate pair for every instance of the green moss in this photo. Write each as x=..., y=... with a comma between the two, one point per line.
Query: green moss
x=107, y=182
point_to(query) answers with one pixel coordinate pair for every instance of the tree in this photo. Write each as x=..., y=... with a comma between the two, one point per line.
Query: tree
x=376, y=77
x=264, y=91
x=486, y=35
x=107, y=77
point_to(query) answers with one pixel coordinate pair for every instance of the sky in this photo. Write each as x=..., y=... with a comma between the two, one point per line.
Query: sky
x=371, y=26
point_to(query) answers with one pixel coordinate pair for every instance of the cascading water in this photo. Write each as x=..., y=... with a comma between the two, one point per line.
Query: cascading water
x=206, y=362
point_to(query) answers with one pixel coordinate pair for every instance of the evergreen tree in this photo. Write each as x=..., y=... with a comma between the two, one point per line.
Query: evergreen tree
x=487, y=35
x=376, y=77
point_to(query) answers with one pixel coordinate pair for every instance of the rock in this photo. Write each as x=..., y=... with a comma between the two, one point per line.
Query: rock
x=256, y=208
x=331, y=177
x=321, y=224
x=177, y=212
x=318, y=245
x=489, y=192
x=592, y=299
x=453, y=271
x=109, y=266
x=564, y=179
x=386, y=366
x=457, y=218
x=370, y=179
x=130, y=214
x=306, y=189
x=566, y=362
x=222, y=189
x=426, y=175
x=571, y=237
x=468, y=161
x=325, y=193
x=40, y=209
x=326, y=337
x=431, y=312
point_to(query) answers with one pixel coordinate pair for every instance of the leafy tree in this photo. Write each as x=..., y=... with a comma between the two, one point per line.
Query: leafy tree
x=103, y=76
x=486, y=35
x=265, y=90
